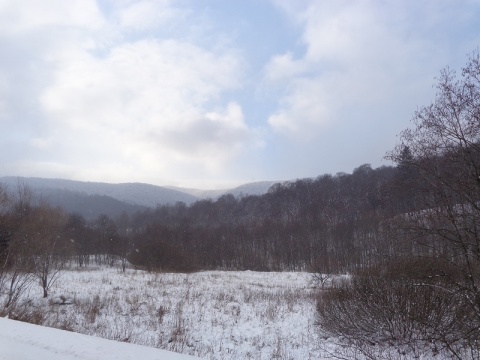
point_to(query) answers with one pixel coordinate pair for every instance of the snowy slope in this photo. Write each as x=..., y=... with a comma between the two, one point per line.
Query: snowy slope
x=22, y=341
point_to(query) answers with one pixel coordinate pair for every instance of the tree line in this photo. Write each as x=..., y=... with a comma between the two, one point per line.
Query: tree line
x=328, y=224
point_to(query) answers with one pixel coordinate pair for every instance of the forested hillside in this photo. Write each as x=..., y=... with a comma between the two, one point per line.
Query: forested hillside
x=331, y=223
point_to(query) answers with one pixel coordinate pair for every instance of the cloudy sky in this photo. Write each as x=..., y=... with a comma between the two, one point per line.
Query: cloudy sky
x=214, y=93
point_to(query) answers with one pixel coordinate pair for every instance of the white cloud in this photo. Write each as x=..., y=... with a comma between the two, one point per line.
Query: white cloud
x=113, y=106
x=283, y=67
x=212, y=139
x=147, y=14
x=303, y=108
x=125, y=90
x=148, y=103
x=20, y=16
x=358, y=56
x=3, y=96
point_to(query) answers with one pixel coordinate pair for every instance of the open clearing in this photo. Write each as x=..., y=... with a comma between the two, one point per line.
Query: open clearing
x=212, y=314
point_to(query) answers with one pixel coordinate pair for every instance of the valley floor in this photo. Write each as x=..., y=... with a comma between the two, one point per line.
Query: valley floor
x=212, y=315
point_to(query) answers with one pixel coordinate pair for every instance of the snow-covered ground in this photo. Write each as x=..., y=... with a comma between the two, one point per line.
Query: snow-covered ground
x=212, y=315
x=22, y=341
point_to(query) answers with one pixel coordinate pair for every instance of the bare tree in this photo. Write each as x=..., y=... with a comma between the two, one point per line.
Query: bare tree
x=445, y=148
x=17, y=278
x=5, y=202
x=399, y=310
x=444, y=152
x=47, y=247
x=79, y=235
x=15, y=265
x=123, y=239
x=424, y=299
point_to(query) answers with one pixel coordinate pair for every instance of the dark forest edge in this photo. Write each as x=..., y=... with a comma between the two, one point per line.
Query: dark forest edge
x=323, y=224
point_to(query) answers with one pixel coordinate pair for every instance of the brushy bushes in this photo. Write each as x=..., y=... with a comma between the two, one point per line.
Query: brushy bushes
x=404, y=309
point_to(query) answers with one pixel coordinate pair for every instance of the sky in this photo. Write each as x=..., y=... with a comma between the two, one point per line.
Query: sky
x=216, y=93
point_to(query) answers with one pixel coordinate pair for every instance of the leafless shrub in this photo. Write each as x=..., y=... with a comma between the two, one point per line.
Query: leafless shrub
x=271, y=312
x=177, y=341
x=60, y=320
x=93, y=309
x=67, y=324
x=161, y=312
x=16, y=282
x=135, y=304
x=29, y=314
x=321, y=280
x=441, y=153
x=280, y=352
x=233, y=308
x=401, y=307
x=121, y=333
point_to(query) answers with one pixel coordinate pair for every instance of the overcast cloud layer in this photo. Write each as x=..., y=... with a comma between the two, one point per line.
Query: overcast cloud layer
x=215, y=93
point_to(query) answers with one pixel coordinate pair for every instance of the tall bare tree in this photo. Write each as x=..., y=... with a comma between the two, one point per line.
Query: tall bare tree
x=15, y=262
x=43, y=232
x=444, y=150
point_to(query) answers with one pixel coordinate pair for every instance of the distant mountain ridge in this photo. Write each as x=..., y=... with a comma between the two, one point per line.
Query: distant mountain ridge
x=254, y=188
x=92, y=198
x=132, y=193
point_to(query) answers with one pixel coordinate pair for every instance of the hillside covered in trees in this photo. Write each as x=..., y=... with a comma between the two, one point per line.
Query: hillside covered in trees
x=331, y=222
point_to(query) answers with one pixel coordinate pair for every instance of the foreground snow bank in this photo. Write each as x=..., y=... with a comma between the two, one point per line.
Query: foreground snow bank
x=22, y=341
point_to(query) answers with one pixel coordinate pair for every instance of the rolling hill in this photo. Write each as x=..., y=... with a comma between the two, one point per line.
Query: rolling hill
x=91, y=199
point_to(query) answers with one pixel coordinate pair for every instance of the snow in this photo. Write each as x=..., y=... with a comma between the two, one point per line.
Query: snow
x=22, y=341
x=210, y=314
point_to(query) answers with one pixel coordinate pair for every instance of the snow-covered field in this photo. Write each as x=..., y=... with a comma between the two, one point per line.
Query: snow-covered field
x=22, y=341
x=212, y=315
